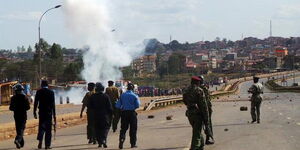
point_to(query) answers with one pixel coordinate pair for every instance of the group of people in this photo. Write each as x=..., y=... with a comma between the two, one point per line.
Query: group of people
x=45, y=102
x=199, y=109
x=104, y=109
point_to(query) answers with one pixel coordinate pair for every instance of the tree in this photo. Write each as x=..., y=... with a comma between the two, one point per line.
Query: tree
x=29, y=49
x=176, y=63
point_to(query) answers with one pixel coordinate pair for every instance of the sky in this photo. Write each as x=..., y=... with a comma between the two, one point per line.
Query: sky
x=136, y=20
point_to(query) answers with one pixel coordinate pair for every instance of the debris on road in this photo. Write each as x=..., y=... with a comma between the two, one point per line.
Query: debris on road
x=243, y=108
x=226, y=129
x=151, y=116
x=169, y=117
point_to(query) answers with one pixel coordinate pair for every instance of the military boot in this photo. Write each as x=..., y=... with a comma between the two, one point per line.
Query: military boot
x=121, y=142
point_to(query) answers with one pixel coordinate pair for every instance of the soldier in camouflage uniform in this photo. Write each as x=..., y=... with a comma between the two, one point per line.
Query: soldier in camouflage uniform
x=114, y=95
x=197, y=112
x=90, y=118
x=256, y=90
x=209, y=105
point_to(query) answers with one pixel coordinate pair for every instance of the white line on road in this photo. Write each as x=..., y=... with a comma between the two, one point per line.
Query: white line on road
x=288, y=118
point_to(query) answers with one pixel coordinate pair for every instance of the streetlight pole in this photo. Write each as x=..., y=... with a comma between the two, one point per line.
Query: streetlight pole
x=39, y=44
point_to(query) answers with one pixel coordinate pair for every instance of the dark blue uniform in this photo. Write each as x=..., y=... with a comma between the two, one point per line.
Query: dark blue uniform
x=101, y=108
x=45, y=101
x=19, y=105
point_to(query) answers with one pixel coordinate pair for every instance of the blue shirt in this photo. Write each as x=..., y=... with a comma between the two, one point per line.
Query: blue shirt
x=128, y=101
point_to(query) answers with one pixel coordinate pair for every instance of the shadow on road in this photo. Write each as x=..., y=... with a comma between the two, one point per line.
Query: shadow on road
x=233, y=124
x=70, y=134
x=8, y=148
x=174, y=127
x=167, y=148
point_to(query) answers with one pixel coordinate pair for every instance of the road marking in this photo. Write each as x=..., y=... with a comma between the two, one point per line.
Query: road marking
x=288, y=118
x=280, y=114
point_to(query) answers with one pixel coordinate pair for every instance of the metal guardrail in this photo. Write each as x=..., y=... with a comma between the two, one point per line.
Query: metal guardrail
x=233, y=89
x=174, y=100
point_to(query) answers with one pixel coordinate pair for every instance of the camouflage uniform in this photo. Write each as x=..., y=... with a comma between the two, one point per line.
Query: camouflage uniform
x=209, y=105
x=197, y=113
x=113, y=93
x=256, y=89
x=90, y=116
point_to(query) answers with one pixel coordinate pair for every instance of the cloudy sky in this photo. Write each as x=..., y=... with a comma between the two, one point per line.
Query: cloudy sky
x=135, y=20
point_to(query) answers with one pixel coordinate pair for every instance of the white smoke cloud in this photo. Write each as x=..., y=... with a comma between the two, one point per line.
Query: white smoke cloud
x=89, y=24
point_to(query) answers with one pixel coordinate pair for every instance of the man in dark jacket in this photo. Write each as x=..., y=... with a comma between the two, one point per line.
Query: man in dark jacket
x=45, y=101
x=89, y=113
x=102, y=109
x=19, y=104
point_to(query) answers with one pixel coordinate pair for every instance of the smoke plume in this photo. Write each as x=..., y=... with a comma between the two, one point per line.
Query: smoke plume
x=89, y=24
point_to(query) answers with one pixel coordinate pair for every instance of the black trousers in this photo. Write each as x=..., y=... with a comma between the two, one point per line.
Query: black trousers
x=129, y=120
x=45, y=128
x=20, y=127
x=90, y=125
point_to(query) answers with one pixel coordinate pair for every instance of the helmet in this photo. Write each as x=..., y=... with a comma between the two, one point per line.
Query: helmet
x=91, y=86
x=99, y=87
x=201, y=77
x=130, y=86
x=18, y=87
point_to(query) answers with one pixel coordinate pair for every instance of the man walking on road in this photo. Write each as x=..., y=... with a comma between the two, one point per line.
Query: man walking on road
x=256, y=90
x=209, y=105
x=19, y=104
x=90, y=118
x=113, y=93
x=45, y=101
x=128, y=103
x=101, y=106
x=197, y=112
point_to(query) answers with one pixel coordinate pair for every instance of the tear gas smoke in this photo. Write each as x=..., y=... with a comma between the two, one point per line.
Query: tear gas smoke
x=89, y=24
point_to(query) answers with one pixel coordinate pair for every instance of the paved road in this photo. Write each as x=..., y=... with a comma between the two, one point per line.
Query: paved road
x=279, y=128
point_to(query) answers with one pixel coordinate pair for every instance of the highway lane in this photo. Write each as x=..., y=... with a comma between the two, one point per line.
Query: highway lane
x=279, y=128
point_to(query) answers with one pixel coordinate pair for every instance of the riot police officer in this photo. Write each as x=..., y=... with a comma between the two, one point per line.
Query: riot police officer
x=19, y=104
x=197, y=112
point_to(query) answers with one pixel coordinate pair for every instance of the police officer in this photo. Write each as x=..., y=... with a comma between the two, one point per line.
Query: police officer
x=209, y=136
x=197, y=112
x=101, y=106
x=128, y=103
x=19, y=104
x=113, y=93
x=256, y=90
x=45, y=101
x=90, y=118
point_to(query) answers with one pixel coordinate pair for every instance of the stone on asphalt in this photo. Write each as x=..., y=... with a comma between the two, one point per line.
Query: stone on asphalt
x=243, y=108
x=226, y=129
x=169, y=117
x=151, y=116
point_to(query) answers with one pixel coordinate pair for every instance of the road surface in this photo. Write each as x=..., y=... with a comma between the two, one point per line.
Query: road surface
x=279, y=128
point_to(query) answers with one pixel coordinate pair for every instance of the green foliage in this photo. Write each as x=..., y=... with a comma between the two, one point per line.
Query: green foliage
x=176, y=63
x=72, y=72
